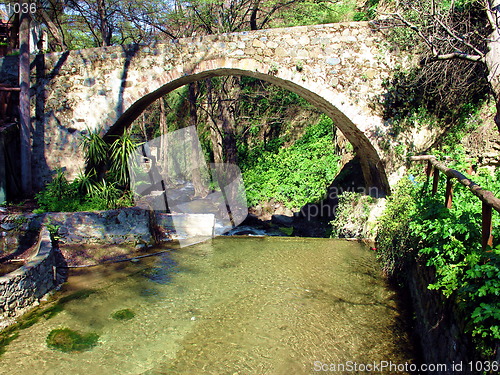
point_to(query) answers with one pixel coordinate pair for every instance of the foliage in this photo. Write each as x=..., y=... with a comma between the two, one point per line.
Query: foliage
x=450, y=242
x=95, y=149
x=311, y=12
x=295, y=175
x=120, y=151
x=54, y=232
x=67, y=340
x=351, y=214
x=59, y=195
x=394, y=241
x=93, y=190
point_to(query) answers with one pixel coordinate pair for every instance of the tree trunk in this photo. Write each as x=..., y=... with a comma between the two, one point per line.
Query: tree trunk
x=215, y=133
x=163, y=151
x=493, y=55
x=104, y=26
x=24, y=101
x=226, y=96
x=197, y=159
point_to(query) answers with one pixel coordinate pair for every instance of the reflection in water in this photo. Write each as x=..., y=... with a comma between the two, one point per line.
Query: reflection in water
x=227, y=306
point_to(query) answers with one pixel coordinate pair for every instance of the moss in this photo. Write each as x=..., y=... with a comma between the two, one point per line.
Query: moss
x=6, y=337
x=125, y=314
x=287, y=231
x=67, y=340
x=46, y=311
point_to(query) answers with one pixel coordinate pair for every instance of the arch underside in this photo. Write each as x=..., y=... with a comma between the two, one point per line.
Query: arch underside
x=373, y=171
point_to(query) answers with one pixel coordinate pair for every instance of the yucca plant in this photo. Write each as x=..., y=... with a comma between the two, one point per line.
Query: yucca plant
x=120, y=151
x=105, y=194
x=96, y=150
x=86, y=182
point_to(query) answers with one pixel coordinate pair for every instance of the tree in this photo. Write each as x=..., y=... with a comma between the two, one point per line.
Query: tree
x=462, y=33
x=24, y=100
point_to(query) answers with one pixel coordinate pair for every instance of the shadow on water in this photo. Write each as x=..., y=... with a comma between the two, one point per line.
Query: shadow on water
x=196, y=307
x=404, y=324
x=163, y=270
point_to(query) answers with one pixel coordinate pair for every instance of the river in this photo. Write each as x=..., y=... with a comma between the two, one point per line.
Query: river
x=232, y=305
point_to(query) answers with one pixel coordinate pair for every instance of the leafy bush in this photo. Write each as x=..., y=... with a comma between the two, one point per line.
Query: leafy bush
x=295, y=175
x=394, y=238
x=418, y=225
x=103, y=186
x=351, y=215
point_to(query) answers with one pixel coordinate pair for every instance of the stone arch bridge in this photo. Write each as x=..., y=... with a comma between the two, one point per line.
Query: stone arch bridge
x=339, y=68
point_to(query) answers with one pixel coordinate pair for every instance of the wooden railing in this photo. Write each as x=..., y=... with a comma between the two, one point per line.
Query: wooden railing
x=489, y=200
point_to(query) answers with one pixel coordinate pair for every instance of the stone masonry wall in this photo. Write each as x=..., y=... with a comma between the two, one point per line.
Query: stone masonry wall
x=439, y=326
x=122, y=226
x=23, y=288
x=339, y=68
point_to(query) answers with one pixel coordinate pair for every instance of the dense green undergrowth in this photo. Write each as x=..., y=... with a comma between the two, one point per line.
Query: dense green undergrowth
x=416, y=225
x=295, y=175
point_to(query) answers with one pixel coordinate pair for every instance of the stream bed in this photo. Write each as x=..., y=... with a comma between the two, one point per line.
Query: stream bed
x=232, y=305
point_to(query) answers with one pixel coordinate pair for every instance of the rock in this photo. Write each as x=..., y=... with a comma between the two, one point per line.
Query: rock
x=304, y=40
x=257, y=43
x=8, y=226
x=140, y=246
x=282, y=220
x=333, y=60
x=370, y=73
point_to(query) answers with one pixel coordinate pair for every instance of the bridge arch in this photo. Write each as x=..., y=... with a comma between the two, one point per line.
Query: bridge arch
x=346, y=117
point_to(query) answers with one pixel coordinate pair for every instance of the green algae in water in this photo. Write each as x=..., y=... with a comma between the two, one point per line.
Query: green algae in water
x=67, y=340
x=46, y=311
x=125, y=314
x=6, y=337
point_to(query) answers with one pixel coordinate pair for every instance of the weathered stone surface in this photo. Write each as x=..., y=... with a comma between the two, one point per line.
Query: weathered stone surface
x=102, y=86
x=8, y=226
x=25, y=286
x=127, y=225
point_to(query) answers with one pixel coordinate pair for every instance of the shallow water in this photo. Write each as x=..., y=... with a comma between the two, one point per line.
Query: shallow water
x=227, y=306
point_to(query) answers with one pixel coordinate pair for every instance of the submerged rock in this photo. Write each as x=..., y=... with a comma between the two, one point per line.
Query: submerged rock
x=67, y=340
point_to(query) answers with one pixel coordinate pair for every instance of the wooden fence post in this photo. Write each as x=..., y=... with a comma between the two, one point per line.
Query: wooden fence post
x=487, y=238
x=449, y=193
x=435, y=181
x=428, y=170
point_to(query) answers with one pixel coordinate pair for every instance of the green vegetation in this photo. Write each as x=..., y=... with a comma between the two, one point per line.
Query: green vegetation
x=351, y=215
x=67, y=340
x=295, y=175
x=125, y=314
x=105, y=184
x=45, y=311
x=321, y=12
x=416, y=225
